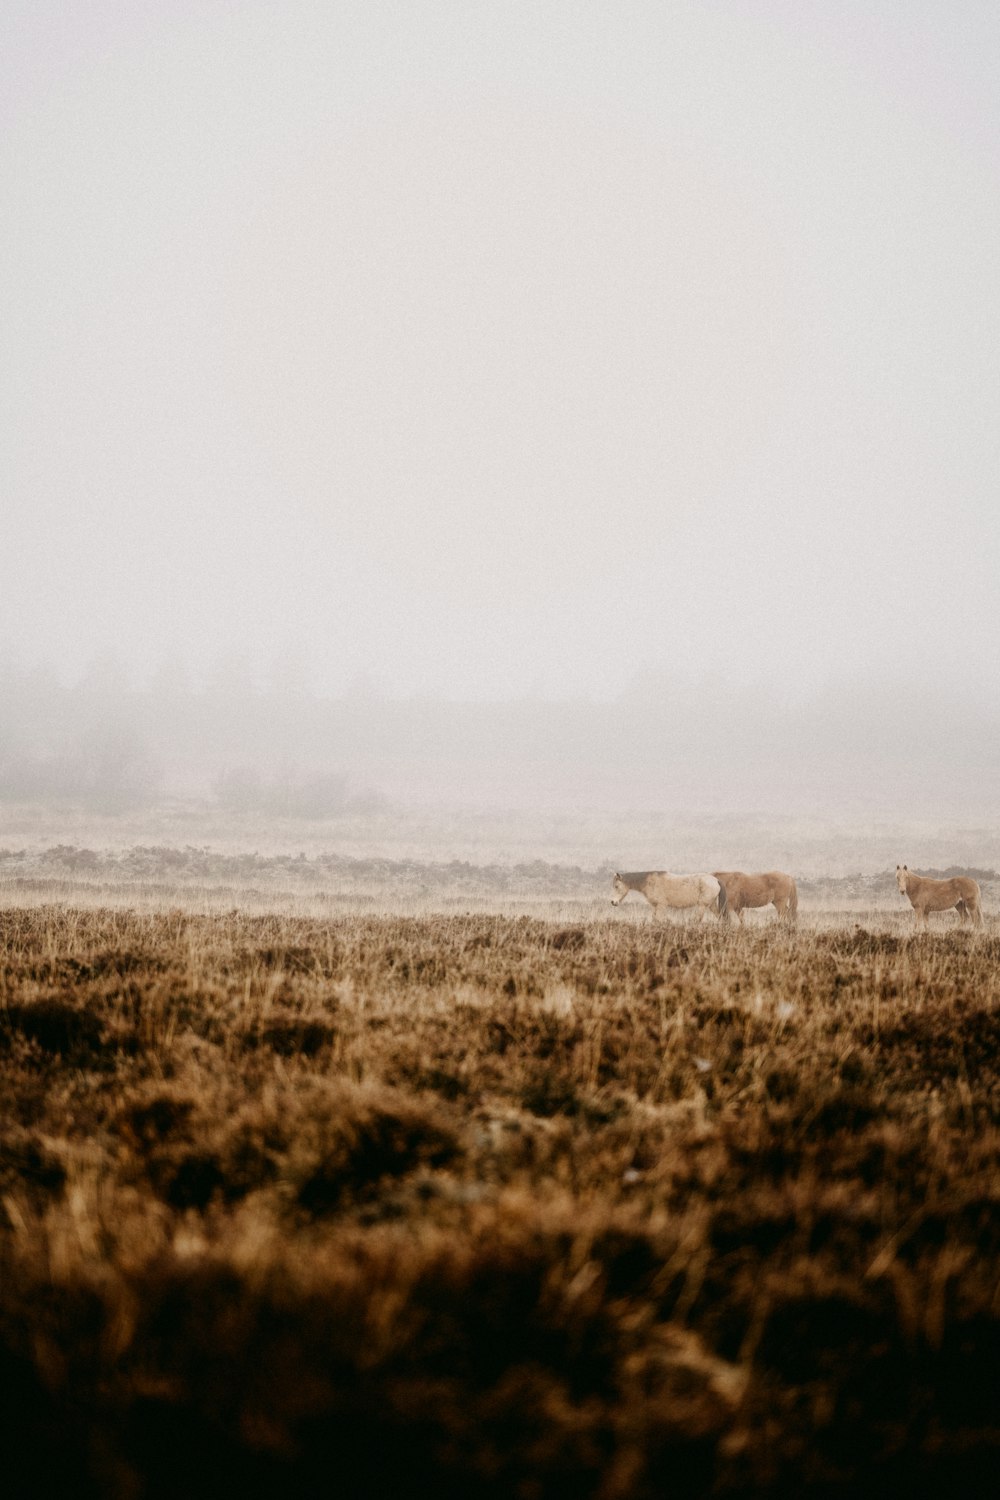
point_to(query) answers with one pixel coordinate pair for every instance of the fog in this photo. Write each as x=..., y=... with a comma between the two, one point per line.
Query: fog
x=693, y=748
x=572, y=404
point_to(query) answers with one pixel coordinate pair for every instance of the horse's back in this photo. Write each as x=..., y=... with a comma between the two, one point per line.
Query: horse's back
x=950, y=891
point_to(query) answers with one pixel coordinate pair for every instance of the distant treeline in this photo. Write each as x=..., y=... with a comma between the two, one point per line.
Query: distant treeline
x=104, y=743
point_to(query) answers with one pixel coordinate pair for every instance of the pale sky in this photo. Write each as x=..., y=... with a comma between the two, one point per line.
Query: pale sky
x=484, y=349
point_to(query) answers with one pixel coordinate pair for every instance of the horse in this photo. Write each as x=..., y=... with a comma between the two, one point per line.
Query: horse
x=673, y=892
x=925, y=894
x=771, y=888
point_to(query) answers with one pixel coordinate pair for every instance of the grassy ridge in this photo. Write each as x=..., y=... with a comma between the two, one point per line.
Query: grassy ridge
x=496, y=1206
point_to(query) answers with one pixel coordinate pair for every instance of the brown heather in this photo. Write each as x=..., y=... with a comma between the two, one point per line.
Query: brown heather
x=492, y=1206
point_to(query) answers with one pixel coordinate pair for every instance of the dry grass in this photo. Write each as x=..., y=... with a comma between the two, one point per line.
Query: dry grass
x=496, y=1206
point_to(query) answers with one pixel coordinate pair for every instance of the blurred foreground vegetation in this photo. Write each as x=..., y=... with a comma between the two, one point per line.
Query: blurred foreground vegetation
x=496, y=1206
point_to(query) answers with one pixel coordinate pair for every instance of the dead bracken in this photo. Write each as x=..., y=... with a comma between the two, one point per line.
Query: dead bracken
x=496, y=1206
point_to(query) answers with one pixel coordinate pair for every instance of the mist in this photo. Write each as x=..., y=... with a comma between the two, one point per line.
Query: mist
x=685, y=747
x=567, y=405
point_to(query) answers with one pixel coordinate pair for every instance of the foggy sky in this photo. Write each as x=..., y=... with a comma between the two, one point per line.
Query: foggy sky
x=481, y=350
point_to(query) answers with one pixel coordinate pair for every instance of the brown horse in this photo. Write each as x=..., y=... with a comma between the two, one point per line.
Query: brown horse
x=769, y=889
x=925, y=894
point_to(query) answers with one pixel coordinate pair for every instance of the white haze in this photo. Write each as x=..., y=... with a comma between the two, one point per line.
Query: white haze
x=483, y=351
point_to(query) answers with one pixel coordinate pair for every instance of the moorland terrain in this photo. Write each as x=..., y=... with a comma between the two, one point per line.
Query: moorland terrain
x=303, y=1194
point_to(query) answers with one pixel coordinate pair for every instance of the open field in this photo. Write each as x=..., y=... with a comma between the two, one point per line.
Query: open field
x=496, y=1205
x=324, y=883
x=830, y=843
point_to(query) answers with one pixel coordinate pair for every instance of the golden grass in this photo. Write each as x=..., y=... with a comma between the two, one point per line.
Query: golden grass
x=496, y=1206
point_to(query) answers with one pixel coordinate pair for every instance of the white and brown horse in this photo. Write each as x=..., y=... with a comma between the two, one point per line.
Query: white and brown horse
x=772, y=888
x=926, y=895
x=671, y=892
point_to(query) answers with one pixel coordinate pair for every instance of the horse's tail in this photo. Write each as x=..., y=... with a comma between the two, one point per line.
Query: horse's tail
x=793, y=902
x=722, y=900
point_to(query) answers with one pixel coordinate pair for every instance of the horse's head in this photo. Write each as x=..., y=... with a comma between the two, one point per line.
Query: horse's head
x=619, y=889
x=901, y=873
